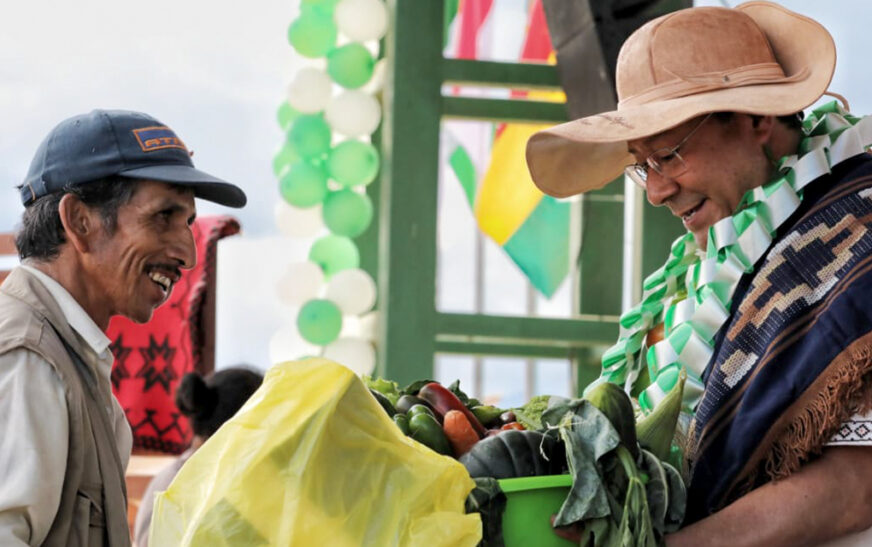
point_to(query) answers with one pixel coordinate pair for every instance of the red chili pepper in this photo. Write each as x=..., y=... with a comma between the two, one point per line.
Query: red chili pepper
x=513, y=425
x=443, y=400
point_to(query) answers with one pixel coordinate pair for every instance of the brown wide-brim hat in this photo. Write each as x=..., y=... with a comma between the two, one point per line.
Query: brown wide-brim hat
x=757, y=58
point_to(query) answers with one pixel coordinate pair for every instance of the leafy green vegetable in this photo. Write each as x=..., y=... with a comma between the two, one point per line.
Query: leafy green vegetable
x=387, y=388
x=588, y=435
x=415, y=387
x=677, y=499
x=636, y=529
x=656, y=489
x=455, y=389
x=530, y=415
x=488, y=499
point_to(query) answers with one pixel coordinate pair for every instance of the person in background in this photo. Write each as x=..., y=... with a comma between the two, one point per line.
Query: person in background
x=776, y=264
x=207, y=403
x=106, y=230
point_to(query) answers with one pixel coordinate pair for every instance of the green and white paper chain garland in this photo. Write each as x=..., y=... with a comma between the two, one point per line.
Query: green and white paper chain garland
x=691, y=293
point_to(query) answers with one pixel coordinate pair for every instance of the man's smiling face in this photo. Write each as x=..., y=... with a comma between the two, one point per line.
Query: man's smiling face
x=724, y=159
x=137, y=265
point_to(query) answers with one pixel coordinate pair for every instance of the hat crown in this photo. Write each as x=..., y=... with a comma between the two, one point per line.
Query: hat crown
x=706, y=44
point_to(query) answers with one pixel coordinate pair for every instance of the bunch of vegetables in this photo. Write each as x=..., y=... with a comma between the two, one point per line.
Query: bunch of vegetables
x=624, y=493
x=442, y=418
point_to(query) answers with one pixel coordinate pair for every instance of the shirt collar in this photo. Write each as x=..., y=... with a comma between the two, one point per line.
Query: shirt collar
x=75, y=315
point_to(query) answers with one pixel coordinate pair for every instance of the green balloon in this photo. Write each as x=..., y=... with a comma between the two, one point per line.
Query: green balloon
x=347, y=213
x=310, y=135
x=286, y=155
x=319, y=321
x=320, y=6
x=334, y=254
x=303, y=184
x=286, y=115
x=313, y=33
x=350, y=66
x=353, y=162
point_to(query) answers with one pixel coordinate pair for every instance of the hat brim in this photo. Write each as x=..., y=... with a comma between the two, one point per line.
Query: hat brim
x=588, y=153
x=204, y=185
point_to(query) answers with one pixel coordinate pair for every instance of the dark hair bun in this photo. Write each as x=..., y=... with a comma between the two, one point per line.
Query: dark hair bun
x=194, y=398
x=211, y=401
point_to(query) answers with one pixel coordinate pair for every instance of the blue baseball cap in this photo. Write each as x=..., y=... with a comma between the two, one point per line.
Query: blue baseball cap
x=105, y=143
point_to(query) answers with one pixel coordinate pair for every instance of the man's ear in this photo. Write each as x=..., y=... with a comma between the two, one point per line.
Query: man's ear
x=763, y=127
x=79, y=221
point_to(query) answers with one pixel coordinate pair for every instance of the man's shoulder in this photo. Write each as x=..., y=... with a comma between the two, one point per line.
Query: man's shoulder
x=20, y=325
x=853, y=171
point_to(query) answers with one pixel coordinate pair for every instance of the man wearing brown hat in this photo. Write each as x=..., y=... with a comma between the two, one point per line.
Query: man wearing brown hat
x=765, y=302
x=106, y=230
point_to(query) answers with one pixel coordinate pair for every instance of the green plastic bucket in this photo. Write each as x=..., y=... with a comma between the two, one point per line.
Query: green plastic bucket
x=530, y=502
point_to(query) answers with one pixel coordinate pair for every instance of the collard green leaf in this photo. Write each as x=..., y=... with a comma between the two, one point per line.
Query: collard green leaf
x=656, y=489
x=599, y=532
x=414, y=387
x=588, y=435
x=488, y=499
x=556, y=409
x=677, y=499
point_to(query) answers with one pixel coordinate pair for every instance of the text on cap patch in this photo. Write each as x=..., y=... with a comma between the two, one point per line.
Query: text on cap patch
x=157, y=138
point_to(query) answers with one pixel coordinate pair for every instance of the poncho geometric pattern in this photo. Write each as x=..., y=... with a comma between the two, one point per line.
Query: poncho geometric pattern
x=793, y=363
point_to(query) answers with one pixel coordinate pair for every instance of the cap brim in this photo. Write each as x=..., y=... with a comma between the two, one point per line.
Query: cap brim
x=588, y=153
x=204, y=185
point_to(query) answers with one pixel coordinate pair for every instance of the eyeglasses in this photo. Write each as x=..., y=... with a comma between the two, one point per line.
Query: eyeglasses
x=665, y=161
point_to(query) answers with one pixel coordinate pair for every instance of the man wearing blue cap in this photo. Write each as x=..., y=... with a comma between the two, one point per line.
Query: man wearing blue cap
x=109, y=201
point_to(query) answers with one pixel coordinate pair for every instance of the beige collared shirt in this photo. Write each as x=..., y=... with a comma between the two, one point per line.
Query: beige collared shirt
x=34, y=429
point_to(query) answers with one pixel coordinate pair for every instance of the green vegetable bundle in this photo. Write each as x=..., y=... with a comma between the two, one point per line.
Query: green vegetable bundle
x=623, y=493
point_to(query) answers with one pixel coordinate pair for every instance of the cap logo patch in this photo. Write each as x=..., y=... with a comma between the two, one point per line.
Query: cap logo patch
x=157, y=138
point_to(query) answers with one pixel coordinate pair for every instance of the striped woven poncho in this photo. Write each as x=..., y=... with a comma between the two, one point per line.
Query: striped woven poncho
x=794, y=360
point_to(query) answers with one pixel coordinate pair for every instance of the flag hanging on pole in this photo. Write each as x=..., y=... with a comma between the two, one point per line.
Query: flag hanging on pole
x=533, y=229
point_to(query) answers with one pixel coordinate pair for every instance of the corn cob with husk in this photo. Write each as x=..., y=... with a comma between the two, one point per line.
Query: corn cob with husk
x=656, y=431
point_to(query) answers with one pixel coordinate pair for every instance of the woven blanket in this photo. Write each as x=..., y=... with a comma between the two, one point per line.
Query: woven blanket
x=794, y=360
x=150, y=359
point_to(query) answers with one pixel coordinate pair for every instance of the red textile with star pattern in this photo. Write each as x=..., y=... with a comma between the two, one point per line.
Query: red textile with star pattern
x=151, y=359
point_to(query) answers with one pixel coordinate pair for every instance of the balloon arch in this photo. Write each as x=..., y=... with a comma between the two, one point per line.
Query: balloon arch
x=323, y=168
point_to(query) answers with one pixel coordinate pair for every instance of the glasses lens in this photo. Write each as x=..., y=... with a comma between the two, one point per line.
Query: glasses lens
x=638, y=173
x=668, y=162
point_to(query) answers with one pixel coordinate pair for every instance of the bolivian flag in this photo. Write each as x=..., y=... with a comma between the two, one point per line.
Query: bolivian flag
x=531, y=227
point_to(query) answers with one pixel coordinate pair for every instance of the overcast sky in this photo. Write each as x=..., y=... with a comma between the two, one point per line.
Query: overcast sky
x=215, y=71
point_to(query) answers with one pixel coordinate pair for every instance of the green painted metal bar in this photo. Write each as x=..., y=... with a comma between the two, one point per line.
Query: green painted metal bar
x=410, y=148
x=601, y=259
x=476, y=348
x=503, y=110
x=495, y=74
x=587, y=331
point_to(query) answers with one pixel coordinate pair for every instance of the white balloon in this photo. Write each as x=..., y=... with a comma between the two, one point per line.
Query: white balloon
x=298, y=222
x=377, y=82
x=352, y=290
x=368, y=326
x=288, y=345
x=354, y=353
x=362, y=20
x=310, y=90
x=300, y=283
x=353, y=113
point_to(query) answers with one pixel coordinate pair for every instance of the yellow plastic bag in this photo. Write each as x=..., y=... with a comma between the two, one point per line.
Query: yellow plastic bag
x=312, y=459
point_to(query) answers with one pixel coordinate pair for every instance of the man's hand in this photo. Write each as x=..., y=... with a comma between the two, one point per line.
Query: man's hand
x=571, y=532
x=828, y=498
